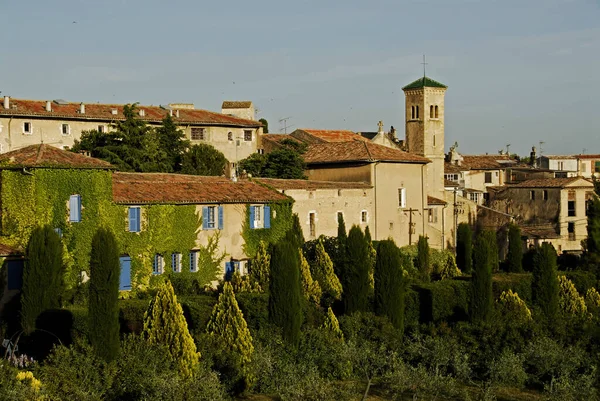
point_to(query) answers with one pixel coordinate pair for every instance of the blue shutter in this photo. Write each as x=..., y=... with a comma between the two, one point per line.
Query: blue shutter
x=75, y=208
x=220, y=217
x=125, y=277
x=251, y=216
x=267, y=216
x=204, y=217
x=228, y=270
x=15, y=274
x=138, y=219
x=58, y=230
x=134, y=219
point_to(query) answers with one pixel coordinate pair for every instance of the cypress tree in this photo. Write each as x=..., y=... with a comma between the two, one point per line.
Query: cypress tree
x=423, y=263
x=389, y=283
x=355, y=278
x=310, y=288
x=464, y=249
x=322, y=271
x=104, y=292
x=592, y=243
x=165, y=324
x=42, y=276
x=339, y=259
x=295, y=233
x=260, y=269
x=285, y=291
x=544, y=285
x=493, y=252
x=372, y=257
x=515, y=249
x=481, y=282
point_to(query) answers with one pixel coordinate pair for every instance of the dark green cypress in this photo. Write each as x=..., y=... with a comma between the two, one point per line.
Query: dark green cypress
x=355, y=277
x=295, y=233
x=481, y=282
x=423, y=263
x=592, y=243
x=43, y=283
x=339, y=258
x=544, y=285
x=103, y=315
x=464, y=248
x=389, y=283
x=515, y=249
x=285, y=291
x=493, y=252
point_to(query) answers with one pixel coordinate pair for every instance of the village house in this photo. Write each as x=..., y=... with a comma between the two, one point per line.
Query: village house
x=563, y=165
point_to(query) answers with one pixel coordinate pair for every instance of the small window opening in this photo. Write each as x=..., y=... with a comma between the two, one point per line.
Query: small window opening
x=436, y=112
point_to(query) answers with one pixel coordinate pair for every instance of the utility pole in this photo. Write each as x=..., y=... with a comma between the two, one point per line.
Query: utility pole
x=455, y=218
x=411, y=225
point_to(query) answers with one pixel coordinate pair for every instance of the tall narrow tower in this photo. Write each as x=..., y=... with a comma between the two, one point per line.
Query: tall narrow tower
x=424, y=110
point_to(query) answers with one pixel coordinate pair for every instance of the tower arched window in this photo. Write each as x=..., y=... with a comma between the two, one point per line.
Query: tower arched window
x=417, y=112
x=430, y=111
x=412, y=112
x=436, y=112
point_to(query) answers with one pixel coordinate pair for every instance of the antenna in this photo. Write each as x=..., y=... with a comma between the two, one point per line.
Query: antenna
x=583, y=151
x=424, y=64
x=285, y=124
x=541, y=150
x=507, y=149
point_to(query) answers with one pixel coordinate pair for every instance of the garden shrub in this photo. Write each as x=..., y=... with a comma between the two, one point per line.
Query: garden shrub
x=255, y=308
x=446, y=300
x=569, y=300
x=131, y=314
x=519, y=283
x=197, y=310
x=583, y=280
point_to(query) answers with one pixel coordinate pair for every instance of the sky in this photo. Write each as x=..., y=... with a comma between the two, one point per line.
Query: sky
x=518, y=71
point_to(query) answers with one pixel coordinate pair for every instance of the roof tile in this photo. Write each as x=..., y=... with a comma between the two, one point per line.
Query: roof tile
x=43, y=155
x=311, y=185
x=333, y=135
x=549, y=183
x=344, y=152
x=244, y=104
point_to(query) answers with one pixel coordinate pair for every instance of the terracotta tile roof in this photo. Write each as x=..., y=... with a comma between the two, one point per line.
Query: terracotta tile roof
x=345, y=152
x=7, y=250
x=435, y=201
x=278, y=137
x=487, y=162
x=551, y=183
x=104, y=112
x=450, y=168
x=236, y=104
x=559, y=157
x=310, y=185
x=448, y=183
x=43, y=155
x=588, y=157
x=332, y=135
x=541, y=232
x=140, y=188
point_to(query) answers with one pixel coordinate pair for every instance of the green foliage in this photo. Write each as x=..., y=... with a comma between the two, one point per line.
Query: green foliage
x=332, y=325
x=296, y=236
x=519, y=283
x=440, y=301
x=423, y=264
x=464, y=250
x=203, y=159
x=104, y=292
x=389, y=283
x=310, y=288
x=494, y=255
x=592, y=300
x=355, y=278
x=165, y=324
x=508, y=369
x=285, y=292
x=259, y=268
x=515, y=249
x=372, y=257
x=340, y=257
x=583, y=280
x=513, y=309
x=444, y=264
x=544, y=286
x=569, y=300
x=253, y=164
x=243, y=283
x=592, y=244
x=481, y=282
x=265, y=124
x=285, y=162
x=322, y=271
x=281, y=223
x=42, y=276
x=172, y=140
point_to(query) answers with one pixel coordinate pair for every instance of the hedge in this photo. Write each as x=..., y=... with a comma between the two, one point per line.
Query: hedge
x=517, y=282
x=446, y=300
x=583, y=280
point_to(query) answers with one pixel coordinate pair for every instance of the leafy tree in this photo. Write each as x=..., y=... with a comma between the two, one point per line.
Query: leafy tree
x=260, y=267
x=481, y=282
x=389, y=283
x=332, y=325
x=284, y=163
x=569, y=300
x=173, y=141
x=165, y=324
x=464, y=251
x=203, y=159
x=42, y=276
x=544, y=285
x=322, y=271
x=310, y=288
x=355, y=278
x=372, y=257
x=265, y=124
x=103, y=314
x=423, y=263
x=285, y=291
x=515, y=249
x=253, y=164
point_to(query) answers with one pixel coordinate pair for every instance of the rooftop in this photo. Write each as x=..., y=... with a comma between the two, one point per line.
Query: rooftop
x=104, y=112
x=435, y=201
x=42, y=155
x=424, y=82
x=236, y=104
x=553, y=183
x=7, y=250
x=311, y=185
x=358, y=151
x=321, y=135
x=142, y=188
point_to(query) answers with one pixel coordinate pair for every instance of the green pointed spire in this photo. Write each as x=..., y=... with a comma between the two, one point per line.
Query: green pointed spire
x=424, y=82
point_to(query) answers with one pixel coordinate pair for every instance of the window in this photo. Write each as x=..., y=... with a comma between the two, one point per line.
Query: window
x=27, y=128
x=436, y=112
x=401, y=197
x=434, y=141
x=363, y=216
x=247, y=136
x=561, y=165
x=532, y=195
x=193, y=261
x=571, y=231
x=571, y=208
x=75, y=208
x=583, y=167
x=432, y=215
x=176, y=262
x=412, y=112
x=230, y=136
x=430, y=111
x=474, y=196
x=339, y=192
x=158, y=264
x=545, y=194
x=58, y=231
x=65, y=129
x=417, y=112
x=101, y=129
x=597, y=167
x=134, y=219
x=311, y=223
x=451, y=177
x=260, y=216
x=197, y=134
x=488, y=177
x=212, y=217
x=391, y=225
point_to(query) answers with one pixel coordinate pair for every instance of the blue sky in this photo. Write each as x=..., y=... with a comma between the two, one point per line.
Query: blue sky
x=518, y=72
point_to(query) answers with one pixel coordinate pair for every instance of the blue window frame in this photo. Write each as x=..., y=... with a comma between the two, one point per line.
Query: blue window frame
x=212, y=217
x=176, y=262
x=75, y=208
x=125, y=276
x=158, y=264
x=260, y=216
x=135, y=214
x=193, y=261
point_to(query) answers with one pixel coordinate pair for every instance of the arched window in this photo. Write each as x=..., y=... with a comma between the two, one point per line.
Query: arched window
x=230, y=136
x=412, y=113
x=436, y=112
x=417, y=112
x=430, y=111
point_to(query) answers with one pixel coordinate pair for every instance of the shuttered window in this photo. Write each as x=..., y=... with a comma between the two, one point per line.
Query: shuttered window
x=134, y=219
x=193, y=261
x=157, y=264
x=260, y=216
x=212, y=217
x=176, y=262
x=75, y=208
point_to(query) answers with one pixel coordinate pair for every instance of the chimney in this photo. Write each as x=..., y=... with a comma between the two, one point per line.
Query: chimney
x=380, y=127
x=48, y=105
x=532, y=158
x=171, y=112
x=6, y=102
x=142, y=113
x=177, y=113
x=82, y=108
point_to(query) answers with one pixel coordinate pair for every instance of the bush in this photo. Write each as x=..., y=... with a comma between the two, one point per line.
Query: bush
x=131, y=314
x=569, y=300
x=513, y=309
x=446, y=300
x=508, y=370
x=583, y=280
x=255, y=308
x=519, y=283
x=197, y=310
x=464, y=251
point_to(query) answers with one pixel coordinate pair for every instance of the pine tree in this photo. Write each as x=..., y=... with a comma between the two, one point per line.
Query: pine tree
x=260, y=267
x=322, y=271
x=173, y=141
x=569, y=300
x=203, y=159
x=310, y=288
x=42, y=276
x=464, y=250
x=332, y=325
x=423, y=262
x=389, y=283
x=227, y=323
x=372, y=257
x=165, y=324
x=285, y=291
x=544, y=286
x=513, y=308
x=481, y=282
x=355, y=278
x=515, y=249
x=103, y=316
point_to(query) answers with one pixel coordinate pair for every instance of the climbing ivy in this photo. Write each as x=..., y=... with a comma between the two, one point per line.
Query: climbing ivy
x=281, y=222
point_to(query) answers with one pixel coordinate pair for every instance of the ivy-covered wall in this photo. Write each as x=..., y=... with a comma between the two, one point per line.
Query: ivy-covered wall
x=281, y=222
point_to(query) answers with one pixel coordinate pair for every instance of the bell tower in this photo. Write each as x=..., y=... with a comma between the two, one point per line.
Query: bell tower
x=424, y=111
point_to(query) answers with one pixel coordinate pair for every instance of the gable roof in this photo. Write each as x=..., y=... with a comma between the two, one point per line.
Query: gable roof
x=571, y=182
x=311, y=185
x=435, y=201
x=46, y=156
x=161, y=188
x=588, y=157
x=358, y=151
x=424, y=82
x=104, y=112
x=322, y=135
x=244, y=104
